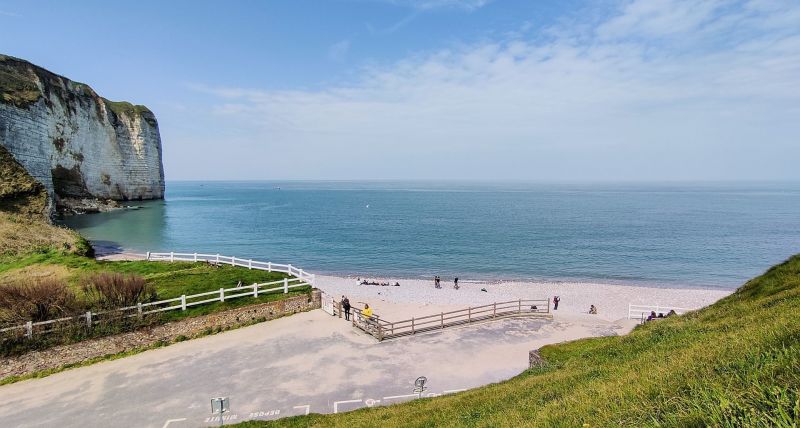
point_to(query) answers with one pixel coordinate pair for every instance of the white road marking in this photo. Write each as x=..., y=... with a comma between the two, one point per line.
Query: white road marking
x=336, y=404
x=392, y=397
x=306, y=406
x=169, y=421
x=450, y=391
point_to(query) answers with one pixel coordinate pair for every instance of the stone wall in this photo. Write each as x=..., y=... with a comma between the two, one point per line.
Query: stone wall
x=77, y=144
x=77, y=352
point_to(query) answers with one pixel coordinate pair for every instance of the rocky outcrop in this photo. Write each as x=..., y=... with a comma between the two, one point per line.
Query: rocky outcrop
x=85, y=150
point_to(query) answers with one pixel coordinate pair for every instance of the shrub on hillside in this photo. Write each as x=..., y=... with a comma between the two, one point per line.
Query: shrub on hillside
x=36, y=301
x=113, y=290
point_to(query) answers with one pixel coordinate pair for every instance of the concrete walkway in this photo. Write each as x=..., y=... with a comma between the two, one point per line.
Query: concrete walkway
x=310, y=362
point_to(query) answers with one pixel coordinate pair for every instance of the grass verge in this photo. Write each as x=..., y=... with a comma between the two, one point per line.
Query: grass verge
x=734, y=363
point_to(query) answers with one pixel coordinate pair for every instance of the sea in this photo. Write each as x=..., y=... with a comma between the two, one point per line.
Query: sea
x=660, y=234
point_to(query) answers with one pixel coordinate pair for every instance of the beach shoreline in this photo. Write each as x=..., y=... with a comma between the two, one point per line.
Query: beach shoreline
x=418, y=297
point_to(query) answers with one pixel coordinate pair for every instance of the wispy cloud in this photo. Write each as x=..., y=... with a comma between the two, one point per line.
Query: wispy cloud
x=468, y=5
x=338, y=51
x=7, y=13
x=706, y=89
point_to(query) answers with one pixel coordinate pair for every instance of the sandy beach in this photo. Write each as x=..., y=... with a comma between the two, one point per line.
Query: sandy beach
x=418, y=297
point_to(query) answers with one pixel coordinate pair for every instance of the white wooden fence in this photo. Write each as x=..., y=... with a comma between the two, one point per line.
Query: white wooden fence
x=233, y=261
x=301, y=279
x=641, y=312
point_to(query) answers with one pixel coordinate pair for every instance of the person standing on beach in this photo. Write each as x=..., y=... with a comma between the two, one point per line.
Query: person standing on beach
x=455, y=283
x=346, y=308
x=556, y=299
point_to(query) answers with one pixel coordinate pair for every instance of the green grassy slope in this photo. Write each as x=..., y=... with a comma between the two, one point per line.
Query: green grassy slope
x=735, y=363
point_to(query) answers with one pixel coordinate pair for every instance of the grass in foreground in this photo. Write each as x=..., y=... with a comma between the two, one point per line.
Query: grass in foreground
x=735, y=363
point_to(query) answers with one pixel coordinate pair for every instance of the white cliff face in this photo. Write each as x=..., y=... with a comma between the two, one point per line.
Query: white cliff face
x=77, y=144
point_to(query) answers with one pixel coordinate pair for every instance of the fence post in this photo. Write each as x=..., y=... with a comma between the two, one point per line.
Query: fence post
x=217, y=258
x=195, y=256
x=519, y=311
x=313, y=279
x=250, y=264
x=339, y=308
x=89, y=319
x=285, y=285
x=289, y=269
x=548, y=305
x=183, y=302
x=171, y=256
x=221, y=294
x=255, y=289
x=442, y=315
x=139, y=309
x=412, y=326
x=29, y=329
x=494, y=310
x=469, y=314
x=380, y=330
x=148, y=256
x=233, y=260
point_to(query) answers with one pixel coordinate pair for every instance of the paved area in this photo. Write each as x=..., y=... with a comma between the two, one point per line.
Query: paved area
x=310, y=362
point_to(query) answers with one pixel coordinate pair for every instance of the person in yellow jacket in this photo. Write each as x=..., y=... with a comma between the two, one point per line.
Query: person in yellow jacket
x=366, y=312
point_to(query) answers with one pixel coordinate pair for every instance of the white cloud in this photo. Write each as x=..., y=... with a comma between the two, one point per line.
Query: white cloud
x=721, y=102
x=338, y=51
x=468, y=5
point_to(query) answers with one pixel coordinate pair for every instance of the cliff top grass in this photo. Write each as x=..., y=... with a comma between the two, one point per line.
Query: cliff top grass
x=734, y=363
x=126, y=108
x=18, y=86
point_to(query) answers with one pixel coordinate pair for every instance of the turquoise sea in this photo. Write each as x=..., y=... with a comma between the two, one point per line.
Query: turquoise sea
x=706, y=234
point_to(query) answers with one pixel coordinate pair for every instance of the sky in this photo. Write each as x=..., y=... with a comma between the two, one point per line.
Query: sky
x=633, y=90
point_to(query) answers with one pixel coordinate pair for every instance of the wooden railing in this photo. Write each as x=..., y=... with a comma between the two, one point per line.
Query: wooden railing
x=383, y=329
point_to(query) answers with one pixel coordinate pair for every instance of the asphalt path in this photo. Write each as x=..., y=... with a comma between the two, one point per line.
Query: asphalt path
x=309, y=362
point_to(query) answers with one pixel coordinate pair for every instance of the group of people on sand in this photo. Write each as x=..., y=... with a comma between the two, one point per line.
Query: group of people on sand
x=660, y=315
x=437, y=282
x=382, y=284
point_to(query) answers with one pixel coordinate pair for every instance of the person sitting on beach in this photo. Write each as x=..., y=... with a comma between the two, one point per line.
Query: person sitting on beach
x=592, y=310
x=484, y=290
x=396, y=284
x=671, y=313
x=652, y=316
x=661, y=315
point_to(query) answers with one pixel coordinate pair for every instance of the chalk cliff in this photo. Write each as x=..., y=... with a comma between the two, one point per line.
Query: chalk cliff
x=85, y=150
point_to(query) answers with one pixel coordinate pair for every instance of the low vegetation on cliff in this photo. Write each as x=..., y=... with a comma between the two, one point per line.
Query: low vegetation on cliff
x=734, y=363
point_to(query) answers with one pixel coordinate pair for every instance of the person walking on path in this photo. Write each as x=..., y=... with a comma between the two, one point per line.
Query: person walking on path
x=346, y=308
x=455, y=283
x=556, y=299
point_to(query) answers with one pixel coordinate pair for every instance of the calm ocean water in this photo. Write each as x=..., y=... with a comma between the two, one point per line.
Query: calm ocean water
x=679, y=234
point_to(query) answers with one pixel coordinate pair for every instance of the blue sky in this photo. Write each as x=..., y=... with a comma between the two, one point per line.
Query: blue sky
x=441, y=89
